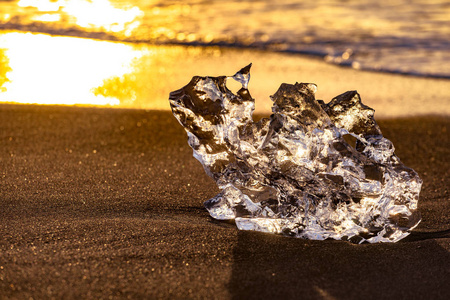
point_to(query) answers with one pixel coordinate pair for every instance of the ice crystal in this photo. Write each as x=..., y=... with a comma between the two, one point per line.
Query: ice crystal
x=312, y=170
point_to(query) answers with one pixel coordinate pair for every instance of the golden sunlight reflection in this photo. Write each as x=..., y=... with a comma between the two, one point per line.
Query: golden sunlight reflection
x=38, y=68
x=4, y=69
x=44, y=69
x=93, y=15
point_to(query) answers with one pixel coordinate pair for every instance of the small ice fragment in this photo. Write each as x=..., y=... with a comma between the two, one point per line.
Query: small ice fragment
x=243, y=76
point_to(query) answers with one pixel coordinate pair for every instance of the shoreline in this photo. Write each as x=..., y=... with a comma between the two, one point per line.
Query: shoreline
x=100, y=202
x=268, y=49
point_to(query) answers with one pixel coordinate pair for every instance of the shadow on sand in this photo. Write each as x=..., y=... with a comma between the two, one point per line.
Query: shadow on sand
x=274, y=267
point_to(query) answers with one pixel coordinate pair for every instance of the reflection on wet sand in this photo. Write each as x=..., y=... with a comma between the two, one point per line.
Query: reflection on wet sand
x=4, y=68
x=60, y=70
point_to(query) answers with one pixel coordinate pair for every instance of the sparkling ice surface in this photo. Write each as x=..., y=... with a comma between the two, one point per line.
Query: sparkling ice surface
x=312, y=170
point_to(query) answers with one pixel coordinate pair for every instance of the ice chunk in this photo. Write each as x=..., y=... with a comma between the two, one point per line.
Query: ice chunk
x=312, y=170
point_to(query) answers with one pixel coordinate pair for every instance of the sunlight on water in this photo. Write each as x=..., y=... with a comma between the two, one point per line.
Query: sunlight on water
x=61, y=70
x=99, y=15
x=39, y=68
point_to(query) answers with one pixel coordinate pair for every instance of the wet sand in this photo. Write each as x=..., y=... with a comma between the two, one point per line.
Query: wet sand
x=107, y=203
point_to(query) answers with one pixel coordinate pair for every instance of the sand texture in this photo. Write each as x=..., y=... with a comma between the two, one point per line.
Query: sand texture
x=107, y=203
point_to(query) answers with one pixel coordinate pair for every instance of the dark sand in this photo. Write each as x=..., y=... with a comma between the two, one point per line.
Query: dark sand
x=100, y=203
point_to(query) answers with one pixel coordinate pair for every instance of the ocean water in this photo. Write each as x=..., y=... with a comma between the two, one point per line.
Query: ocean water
x=399, y=36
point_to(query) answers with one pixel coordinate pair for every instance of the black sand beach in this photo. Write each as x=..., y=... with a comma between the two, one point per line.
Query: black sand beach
x=107, y=203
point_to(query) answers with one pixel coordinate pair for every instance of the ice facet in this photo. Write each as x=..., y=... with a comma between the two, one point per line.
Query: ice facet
x=312, y=170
